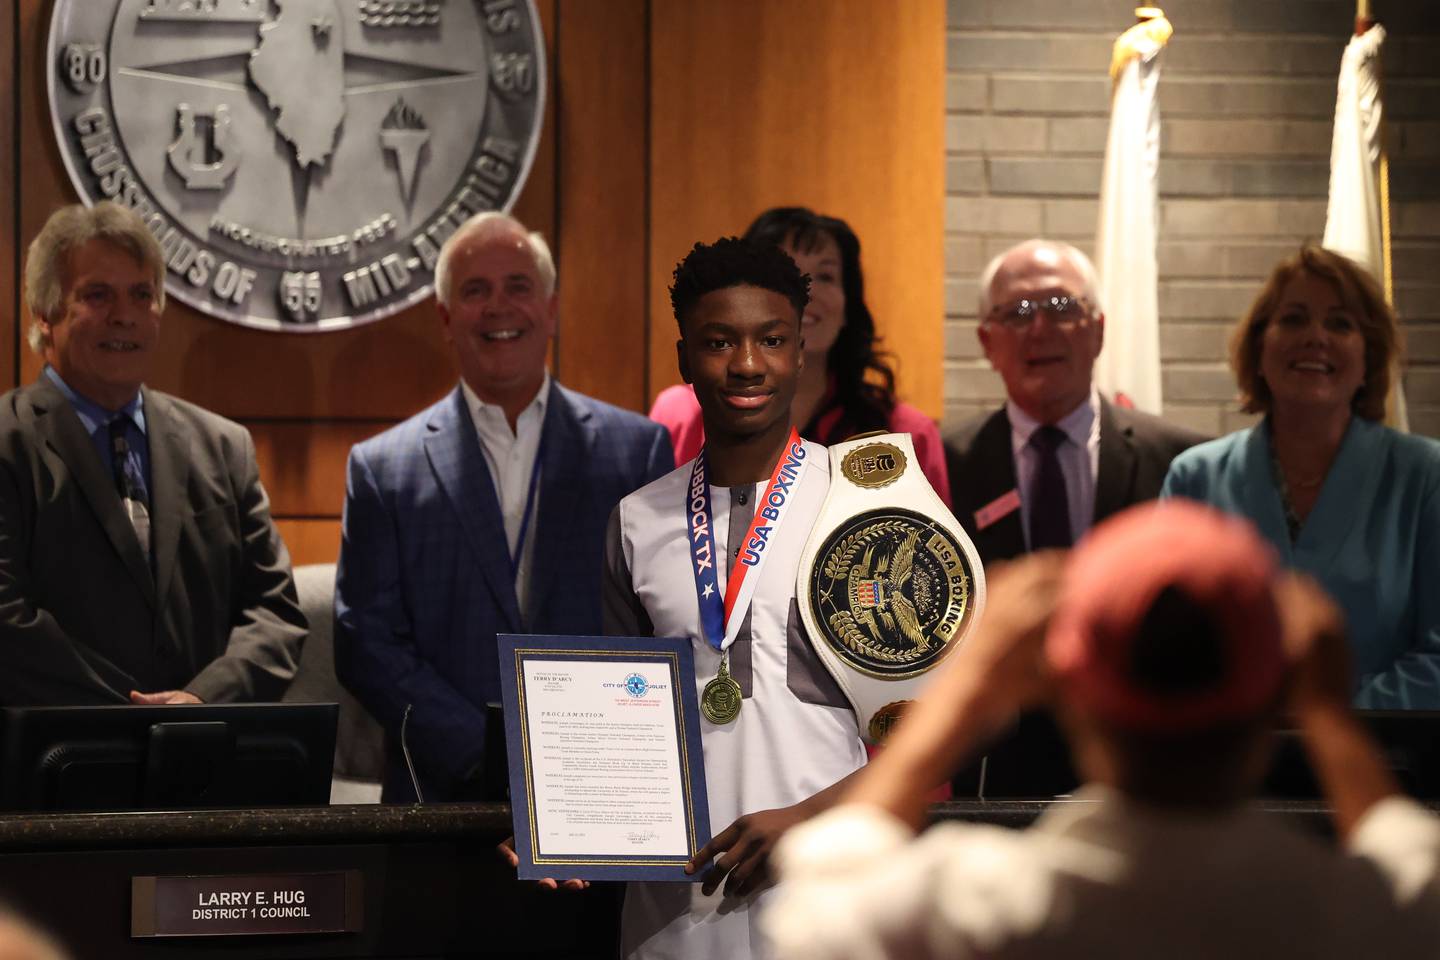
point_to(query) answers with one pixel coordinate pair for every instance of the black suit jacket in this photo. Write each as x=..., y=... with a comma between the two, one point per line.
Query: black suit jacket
x=1135, y=452
x=84, y=618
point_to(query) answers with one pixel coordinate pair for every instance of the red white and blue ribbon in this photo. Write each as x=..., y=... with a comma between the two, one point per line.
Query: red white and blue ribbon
x=721, y=619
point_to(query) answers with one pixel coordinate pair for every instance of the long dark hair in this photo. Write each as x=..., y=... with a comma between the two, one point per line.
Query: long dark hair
x=864, y=381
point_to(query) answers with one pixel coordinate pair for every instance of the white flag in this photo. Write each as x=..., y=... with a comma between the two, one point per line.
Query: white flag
x=1353, y=223
x=1129, y=365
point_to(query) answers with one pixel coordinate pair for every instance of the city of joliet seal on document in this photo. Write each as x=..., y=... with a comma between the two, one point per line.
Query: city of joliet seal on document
x=300, y=161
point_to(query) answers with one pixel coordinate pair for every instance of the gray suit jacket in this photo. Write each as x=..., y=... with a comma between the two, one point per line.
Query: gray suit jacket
x=84, y=618
x=1135, y=451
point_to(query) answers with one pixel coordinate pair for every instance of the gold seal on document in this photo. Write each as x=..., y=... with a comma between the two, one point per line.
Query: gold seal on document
x=873, y=465
x=890, y=589
x=885, y=719
x=720, y=700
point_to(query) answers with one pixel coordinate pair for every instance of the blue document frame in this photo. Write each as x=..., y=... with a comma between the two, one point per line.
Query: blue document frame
x=607, y=777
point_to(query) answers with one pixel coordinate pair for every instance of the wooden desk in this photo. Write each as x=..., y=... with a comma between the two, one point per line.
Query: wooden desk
x=433, y=884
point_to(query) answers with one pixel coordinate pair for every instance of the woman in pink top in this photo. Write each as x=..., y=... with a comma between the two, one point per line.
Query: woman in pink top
x=846, y=387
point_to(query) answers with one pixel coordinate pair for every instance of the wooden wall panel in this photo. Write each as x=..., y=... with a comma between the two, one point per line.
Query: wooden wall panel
x=602, y=188
x=666, y=122
x=537, y=206
x=387, y=369
x=9, y=243
x=302, y=462
x=833, y=104
x=310, y=541
x=41, y=182
x=305, y=397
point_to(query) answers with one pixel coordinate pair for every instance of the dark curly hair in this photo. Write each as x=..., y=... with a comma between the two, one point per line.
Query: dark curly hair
x=864, y=380
x=735, y=262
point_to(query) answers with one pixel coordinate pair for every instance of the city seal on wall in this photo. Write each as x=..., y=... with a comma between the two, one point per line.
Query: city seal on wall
x=890, y=589
x=300, y=161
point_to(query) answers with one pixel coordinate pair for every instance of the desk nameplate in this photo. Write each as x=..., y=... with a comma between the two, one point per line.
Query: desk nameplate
x=245, y=904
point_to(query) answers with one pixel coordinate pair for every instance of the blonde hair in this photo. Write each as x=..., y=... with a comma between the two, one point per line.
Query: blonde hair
x=68, y=229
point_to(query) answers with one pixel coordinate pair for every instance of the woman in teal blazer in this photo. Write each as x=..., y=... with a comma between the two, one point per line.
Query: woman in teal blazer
x=1341, y=496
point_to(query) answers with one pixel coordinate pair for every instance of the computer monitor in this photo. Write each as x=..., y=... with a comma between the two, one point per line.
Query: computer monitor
x=1409, y=739
x=166, y=757
x=1031, y=760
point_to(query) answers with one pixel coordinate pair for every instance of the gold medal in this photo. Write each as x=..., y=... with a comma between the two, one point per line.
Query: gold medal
x=720, y=701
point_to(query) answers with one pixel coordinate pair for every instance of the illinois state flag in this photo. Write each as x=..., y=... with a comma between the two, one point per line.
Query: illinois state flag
x=1353, y=224
x=1129, y=367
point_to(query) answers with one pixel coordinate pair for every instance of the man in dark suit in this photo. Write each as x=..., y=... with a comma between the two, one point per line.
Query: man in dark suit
x=138, y=561
x=1057, y=458
x=484, y=514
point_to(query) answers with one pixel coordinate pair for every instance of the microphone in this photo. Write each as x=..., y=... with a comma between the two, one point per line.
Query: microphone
x=405, y=749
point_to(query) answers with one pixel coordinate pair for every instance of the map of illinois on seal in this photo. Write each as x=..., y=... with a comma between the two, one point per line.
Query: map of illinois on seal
x=300, y=161
x=299, y=64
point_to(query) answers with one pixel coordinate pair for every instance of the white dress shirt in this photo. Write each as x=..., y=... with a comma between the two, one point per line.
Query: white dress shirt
x=1079, y=461
x=1104, y=877
x=511, y=457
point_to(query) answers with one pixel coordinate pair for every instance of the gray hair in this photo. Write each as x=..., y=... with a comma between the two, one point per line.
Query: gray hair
x=68, y=229
x=1075, y=255
x=497, y=222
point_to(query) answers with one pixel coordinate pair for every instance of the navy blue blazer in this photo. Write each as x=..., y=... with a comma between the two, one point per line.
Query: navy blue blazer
x=424, y=581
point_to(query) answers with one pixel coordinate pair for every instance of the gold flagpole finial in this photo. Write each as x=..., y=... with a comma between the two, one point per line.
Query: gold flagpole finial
x=1151, y=31
x=1364, y=16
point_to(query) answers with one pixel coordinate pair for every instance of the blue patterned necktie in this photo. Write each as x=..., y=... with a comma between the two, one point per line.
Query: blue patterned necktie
x=132, y=494
x=1049, y=500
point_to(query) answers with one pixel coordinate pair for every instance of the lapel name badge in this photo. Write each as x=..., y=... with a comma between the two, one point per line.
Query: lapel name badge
x=997, y=509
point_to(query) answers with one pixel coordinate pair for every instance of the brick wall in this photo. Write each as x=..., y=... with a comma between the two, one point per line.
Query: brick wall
x=1247, y=95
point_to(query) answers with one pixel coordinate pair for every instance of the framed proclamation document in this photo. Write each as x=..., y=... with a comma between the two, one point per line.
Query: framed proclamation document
x=607, y=781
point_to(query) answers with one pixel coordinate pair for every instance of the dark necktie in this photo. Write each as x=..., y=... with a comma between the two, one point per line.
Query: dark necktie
x=132, y=494
x=1049, y=500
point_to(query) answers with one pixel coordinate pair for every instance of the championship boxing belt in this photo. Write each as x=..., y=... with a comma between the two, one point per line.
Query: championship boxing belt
x=889, y=583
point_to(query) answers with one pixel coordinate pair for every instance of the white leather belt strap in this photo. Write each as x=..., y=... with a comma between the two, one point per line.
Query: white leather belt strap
x=889, y=583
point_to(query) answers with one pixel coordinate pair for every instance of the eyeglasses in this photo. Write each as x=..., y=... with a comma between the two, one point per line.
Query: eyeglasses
x=1064, y=312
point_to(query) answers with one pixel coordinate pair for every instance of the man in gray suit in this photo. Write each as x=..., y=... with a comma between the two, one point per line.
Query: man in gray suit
x=1057, y=458
x=138, y=561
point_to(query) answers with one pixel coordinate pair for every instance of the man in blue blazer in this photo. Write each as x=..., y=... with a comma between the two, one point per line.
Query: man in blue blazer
x=484, y=514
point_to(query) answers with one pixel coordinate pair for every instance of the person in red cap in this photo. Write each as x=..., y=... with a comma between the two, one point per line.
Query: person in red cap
x=1168, y=645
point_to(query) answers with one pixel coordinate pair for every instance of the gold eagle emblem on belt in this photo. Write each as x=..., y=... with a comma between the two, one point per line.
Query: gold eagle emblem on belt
x=890, y=590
